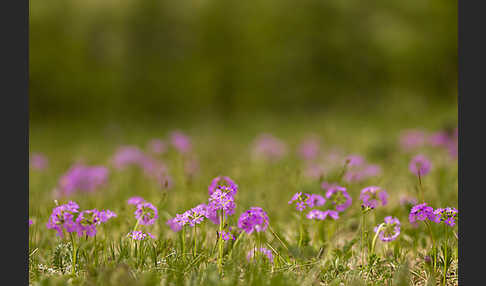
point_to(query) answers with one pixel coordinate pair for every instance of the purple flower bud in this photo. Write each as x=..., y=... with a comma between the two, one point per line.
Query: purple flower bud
x=420, y=165
x=267, y=252
x=146, y=213
x=269, y=148
x=39, y=161
x=390, y=230
x=372, y=196
x=254, y=219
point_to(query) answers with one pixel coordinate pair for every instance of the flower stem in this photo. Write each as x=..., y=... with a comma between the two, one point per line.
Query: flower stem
x=220, y=242
x=433, y=243
x=301, y=229
x=445, y=255
x=74, y=254
x=138, y=221
x=375, y=237
x=195, y=239
x=362, y=236
x=421, y=188
x=183, y=234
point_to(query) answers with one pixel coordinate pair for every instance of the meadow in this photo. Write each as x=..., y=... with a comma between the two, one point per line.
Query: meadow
x=334, y=235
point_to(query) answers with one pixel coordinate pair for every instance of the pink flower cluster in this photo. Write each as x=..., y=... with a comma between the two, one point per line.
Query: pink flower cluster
x=221, y=198
x=68, y=218
x=359, y=170
x=126, y=156
x=414, y=139
x=423, y=212
x=268, y=147
x=82, y=178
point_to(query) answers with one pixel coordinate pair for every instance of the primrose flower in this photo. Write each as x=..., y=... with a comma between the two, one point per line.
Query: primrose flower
x=390, y=230
x=411, y=139
x=193, y=216
x=221, y=199
x=302, y=201
x=309, y=148
x=316, y=200
x=225, y=184
x=326, y=185
x=361, y=172
x=339, y=198
x=447, y=216
x=439, y=139
x=421, y=212
x=177, y=222
x=157, y=146
x=372, y=196
x=212, y=214
x=191, y=166
x=31, y=222
x=146, y=213
x=268, y=147
x=38, y=161
x=267, y=252
x=135, y=200
x=420, y=165
x=151, y=167
x=322, y=215
x=315, y=171
x=132, y=156
x=62, y=218
x=196, y=215
x=105, y=215
x=164, y=180
x=139, y=235
x=254, y=219
x=371, y=170
x=355, y=160
x=180, y=142
x=87, y=221
x=227, y=235
x=408, y=201
x=453, y=149
x=126, y=156
x=83, y=178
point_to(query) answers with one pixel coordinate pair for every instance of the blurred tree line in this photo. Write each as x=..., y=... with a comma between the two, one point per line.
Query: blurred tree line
x=170, y=57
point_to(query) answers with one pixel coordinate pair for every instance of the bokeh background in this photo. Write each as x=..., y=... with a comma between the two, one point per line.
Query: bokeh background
x=357, y=75
x=184, y=61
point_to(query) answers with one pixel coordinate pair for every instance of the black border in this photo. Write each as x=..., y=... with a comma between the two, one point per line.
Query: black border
x=471, y=47
x=15, y=122
x=14, y=115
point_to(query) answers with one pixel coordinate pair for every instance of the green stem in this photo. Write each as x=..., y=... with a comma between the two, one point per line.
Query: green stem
x=375, y=237
x=138, y=221
x=74, y=253
x=445, y=254
x=421, y=189
x=220, y=242
x=183, y=234
x=433, y=242
x=195, y=240
x=301, y=229
x=344, y=170
x=362, y=237
x=259, y=248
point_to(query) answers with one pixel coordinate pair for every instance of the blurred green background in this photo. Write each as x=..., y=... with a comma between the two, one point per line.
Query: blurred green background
x=133, y=59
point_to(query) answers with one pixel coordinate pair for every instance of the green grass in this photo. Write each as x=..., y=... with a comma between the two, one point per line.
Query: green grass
x=223, y=148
